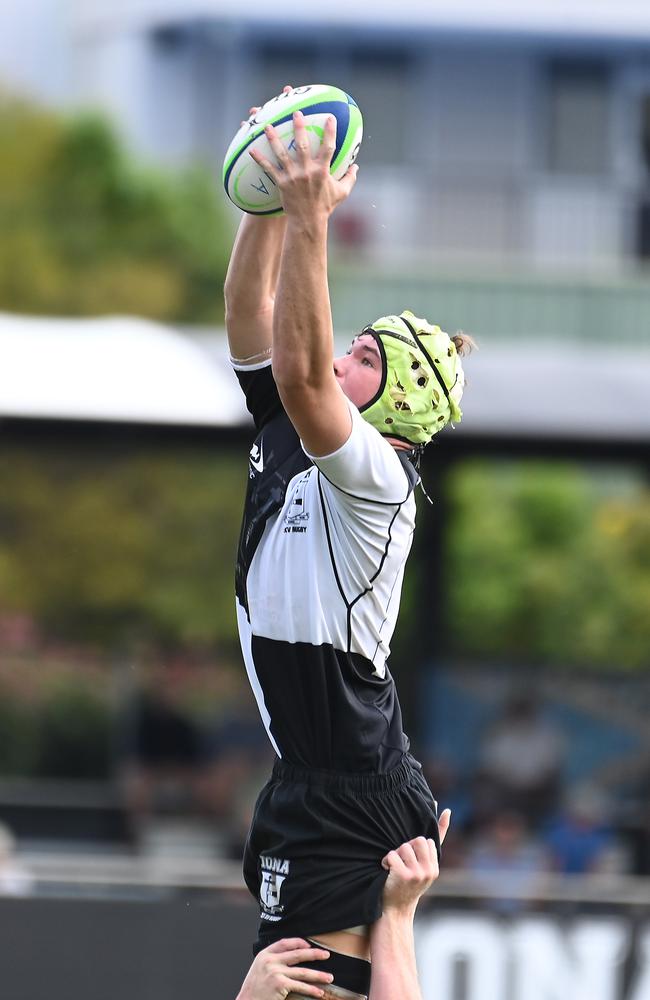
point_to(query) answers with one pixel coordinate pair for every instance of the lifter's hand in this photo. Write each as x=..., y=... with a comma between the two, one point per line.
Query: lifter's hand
x=411, y=870
x=275, y=973
x=307, y=189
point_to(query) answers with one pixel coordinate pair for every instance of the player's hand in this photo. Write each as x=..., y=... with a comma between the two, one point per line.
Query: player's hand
x=276, y=972
x=411, y=870
x=253, y=111
x=307, y=189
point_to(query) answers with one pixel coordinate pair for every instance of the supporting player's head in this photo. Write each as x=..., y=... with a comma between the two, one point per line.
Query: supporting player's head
x=422, y=378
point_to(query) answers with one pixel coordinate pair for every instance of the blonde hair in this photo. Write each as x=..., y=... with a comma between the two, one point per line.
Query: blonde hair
x=464, y=343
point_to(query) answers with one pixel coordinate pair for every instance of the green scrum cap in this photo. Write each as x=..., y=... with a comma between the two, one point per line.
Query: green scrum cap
x=422, y=379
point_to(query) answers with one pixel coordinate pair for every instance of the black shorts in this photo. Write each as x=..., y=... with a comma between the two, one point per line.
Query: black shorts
x=314, y=849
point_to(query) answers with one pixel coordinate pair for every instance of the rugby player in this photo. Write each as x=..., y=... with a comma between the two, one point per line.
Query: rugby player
x=328, y=520
x=277, y=970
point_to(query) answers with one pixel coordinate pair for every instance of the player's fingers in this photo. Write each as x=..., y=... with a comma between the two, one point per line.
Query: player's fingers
x=287, y=88
x=251, y=115
x=328, y=143
x=443, y=824
x=277, y=147
x=348, y=180
x=301, y=138
x=269, y=168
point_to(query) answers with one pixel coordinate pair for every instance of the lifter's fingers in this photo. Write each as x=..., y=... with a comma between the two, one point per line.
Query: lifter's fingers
x=288, y=944
x=393, y=862
x=328, y=144
x=312, y=976
x=443, y=824
x=407, y=853
x=421, y=850
x=303, y=989
x=306, y=954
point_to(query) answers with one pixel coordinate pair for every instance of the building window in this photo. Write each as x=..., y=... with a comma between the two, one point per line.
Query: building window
x=645, y=133
x=281, y=63
x=578, y=136
x=378, y=80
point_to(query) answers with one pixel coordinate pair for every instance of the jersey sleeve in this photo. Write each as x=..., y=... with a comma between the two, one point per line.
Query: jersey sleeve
x=366, y=466
x=262, y=396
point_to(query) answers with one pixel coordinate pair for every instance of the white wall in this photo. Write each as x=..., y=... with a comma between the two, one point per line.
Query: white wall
x=35, y=49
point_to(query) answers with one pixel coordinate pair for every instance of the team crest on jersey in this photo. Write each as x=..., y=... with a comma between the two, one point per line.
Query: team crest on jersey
x=274, y=874
x=296, y=516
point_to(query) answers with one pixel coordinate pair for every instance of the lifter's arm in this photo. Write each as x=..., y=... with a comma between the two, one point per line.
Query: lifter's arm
x=303, y=349
x=276, y=972
x=412, y=869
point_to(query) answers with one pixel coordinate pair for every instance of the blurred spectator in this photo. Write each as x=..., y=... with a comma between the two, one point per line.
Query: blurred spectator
x=237, y=761
x=15, y=880
x=350, y=228
x=579, y=840
x=18, y=632
x=520, y=763
x=639, y=836
x=506, y=863
x=450, y=789
x=630, y=778
x=160, y=749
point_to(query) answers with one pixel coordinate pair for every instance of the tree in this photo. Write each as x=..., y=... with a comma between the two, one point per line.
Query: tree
x=86, y=231
x=124, y=546
x=548, y=564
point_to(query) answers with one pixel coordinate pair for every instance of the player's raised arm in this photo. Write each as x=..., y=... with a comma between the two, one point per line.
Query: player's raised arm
x=303, y=349
x=249, y=291
x=250, y=286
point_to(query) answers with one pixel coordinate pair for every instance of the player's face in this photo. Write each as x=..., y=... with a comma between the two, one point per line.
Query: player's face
x=359, y=371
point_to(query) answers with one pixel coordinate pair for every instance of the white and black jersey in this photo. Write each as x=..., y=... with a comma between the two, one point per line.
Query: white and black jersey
x=320, y=564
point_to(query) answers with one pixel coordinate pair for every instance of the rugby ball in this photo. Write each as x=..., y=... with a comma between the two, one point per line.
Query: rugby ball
x=247, y=185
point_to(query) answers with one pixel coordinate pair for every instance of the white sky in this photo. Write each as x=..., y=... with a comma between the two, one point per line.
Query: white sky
x=592, y=18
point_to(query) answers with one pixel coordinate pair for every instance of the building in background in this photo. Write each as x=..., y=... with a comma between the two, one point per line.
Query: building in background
x=515, y=138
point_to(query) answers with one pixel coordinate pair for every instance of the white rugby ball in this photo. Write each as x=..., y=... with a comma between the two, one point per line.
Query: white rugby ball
x=247, y=185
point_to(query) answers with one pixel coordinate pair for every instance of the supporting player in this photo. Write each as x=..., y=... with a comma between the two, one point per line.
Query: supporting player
x=277, y=971
x=328, y=521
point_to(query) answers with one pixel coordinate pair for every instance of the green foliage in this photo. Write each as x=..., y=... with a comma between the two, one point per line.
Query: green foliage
x=121, y=547
x=74, y=735
x=86, y=232
x=546, y=565
x=55, y=719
